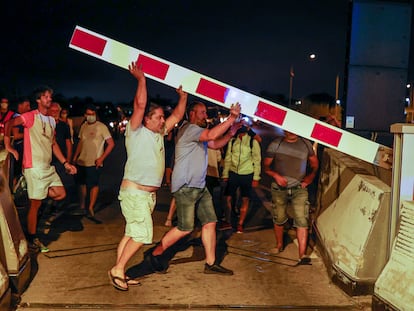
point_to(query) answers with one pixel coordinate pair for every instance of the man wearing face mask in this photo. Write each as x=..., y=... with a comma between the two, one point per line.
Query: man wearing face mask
x=95, y=144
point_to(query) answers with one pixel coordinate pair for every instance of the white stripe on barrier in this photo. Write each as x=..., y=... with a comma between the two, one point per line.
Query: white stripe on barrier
x=212, y=90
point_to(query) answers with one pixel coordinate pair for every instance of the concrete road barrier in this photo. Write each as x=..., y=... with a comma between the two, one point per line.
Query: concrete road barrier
x=351, y=222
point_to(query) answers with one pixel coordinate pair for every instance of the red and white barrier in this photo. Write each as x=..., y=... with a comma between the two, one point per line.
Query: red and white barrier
x=173, y=75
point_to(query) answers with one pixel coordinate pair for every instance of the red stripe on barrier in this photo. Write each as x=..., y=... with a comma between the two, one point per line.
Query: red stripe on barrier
x=88, y=42
x=326, y=134
x=153, y=67
x=212, y=90
x=270, y=113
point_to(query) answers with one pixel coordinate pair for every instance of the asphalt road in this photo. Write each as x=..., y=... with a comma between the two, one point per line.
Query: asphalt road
x=73, y=275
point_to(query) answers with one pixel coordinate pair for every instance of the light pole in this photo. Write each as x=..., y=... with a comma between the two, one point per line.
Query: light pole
x=292, y=75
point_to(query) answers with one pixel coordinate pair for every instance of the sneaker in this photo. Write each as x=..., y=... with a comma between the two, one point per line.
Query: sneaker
x=156, y=262
x=304, y=261
x=43, y=248
x=78, y=212
x=239, y=229
x=216, y=269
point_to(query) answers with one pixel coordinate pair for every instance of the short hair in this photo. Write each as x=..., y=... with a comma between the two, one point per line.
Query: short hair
x=192, y=106
x=37, y=93
x=22, y=99
x=57, y=105
x=90, y=107
x=150, y=108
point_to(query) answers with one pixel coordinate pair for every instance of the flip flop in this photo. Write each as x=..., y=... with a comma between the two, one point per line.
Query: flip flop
x=112, y=280
x=132, y=282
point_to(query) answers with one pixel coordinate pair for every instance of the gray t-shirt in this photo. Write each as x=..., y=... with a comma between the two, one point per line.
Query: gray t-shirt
x=290, y=158
x=190, y=166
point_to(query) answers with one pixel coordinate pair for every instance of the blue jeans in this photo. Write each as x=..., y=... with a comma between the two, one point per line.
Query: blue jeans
x=298, y=197
x=191, y=201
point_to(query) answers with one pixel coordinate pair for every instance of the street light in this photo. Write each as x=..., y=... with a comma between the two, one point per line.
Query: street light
x=311, y=57
x=292, y=75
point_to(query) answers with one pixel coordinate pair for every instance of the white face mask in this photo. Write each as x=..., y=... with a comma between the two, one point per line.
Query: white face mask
x=91, y=119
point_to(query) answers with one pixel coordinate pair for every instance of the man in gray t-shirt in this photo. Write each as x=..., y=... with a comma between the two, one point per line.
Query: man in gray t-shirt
x=286, y=161
x=189, y=186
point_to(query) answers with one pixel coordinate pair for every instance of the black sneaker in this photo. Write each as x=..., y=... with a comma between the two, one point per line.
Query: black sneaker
x=157, y=265
x=216, y=269
x=305, y=261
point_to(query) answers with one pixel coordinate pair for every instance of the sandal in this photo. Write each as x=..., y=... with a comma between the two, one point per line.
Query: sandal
x=113, y=282
x=132, y=282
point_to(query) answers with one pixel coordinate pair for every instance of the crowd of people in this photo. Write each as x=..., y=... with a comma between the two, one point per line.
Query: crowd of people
x=190, y=156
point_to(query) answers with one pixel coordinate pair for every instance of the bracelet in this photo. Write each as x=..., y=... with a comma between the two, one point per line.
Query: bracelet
x=64, y=163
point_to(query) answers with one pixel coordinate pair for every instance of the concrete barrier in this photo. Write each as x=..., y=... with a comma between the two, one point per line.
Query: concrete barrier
x=5, y=291
x=394, y=287
x=15, y=247
x=352, y=219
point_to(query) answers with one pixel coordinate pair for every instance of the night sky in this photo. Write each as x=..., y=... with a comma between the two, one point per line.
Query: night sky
x=250, y=46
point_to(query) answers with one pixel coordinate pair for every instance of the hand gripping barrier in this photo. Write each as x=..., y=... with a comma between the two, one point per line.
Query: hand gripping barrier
x=173, y=75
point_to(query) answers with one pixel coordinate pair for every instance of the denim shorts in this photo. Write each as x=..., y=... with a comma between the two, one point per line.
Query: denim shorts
x=193, y=202
x=297, y=197
x=137, y=207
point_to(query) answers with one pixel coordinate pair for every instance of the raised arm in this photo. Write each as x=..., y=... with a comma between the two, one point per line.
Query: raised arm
x=179, y=110
x=140, y=100
x=221, y=128
x=224, y=139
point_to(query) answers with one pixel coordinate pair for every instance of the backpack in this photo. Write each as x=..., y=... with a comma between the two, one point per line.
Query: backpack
x=251, y=142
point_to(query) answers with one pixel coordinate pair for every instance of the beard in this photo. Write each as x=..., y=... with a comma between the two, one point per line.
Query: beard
x=202, y=123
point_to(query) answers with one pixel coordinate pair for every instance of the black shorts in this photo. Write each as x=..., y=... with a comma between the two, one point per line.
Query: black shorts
x=244, y=182
x=88, y=175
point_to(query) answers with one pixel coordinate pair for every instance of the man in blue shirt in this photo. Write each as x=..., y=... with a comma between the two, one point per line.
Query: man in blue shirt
x=189, y=186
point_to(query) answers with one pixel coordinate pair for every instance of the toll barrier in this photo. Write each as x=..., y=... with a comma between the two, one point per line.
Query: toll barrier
x=166, y=72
